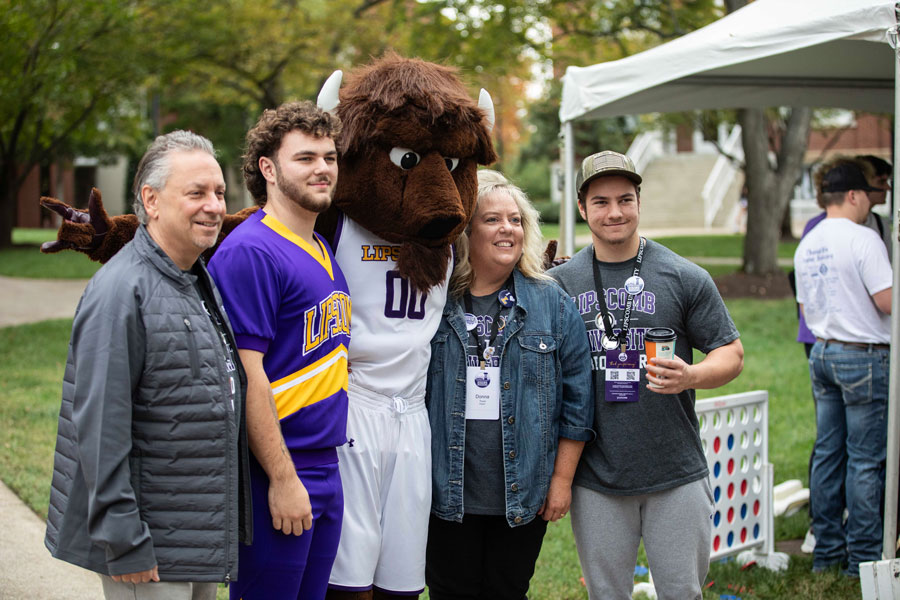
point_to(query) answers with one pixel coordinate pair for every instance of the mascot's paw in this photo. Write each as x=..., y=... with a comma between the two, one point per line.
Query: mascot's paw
x=76, y=231
x=92, y=231
x=550, y=253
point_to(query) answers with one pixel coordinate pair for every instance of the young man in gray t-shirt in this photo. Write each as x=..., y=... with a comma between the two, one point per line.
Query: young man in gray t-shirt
x=646, y=476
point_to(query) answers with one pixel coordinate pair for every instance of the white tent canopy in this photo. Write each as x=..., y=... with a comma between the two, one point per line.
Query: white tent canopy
x=819, y=53
x=769, y=53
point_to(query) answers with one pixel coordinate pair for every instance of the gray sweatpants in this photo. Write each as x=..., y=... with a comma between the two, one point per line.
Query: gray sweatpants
x=676, y=526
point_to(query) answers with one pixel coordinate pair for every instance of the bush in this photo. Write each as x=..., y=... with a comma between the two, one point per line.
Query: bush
x=549, y=211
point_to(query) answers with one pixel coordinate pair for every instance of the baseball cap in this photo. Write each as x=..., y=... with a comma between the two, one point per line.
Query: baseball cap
x=604, y=164
x=846, y=176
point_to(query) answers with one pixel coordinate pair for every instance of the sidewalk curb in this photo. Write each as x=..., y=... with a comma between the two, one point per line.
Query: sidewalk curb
x=32, y=300
x=27, y=571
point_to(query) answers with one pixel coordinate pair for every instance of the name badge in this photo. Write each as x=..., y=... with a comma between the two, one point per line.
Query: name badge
x=483, y=393
x=623, y=375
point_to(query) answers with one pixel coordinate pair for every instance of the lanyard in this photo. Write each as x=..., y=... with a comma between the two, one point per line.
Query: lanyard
x=485, y=353
x=609, y=342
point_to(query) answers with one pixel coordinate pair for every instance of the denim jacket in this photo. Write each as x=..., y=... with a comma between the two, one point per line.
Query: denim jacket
x=546, y=394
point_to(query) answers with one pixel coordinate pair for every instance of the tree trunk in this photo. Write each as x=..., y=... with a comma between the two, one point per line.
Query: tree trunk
x=8, y=201
x=770, y=186
x=787, y=233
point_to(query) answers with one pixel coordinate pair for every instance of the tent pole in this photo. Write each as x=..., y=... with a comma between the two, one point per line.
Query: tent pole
x=889, y=549
x=567, y=213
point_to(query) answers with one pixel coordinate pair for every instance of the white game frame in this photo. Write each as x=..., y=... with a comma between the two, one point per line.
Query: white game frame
x=734, y=431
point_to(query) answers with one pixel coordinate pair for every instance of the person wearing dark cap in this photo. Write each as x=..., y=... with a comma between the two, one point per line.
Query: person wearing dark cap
x=646, y=476
x=880, y=179
x=844, y=284
x=878, y=173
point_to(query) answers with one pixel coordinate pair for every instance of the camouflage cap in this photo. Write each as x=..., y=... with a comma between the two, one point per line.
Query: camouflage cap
x=603, y=164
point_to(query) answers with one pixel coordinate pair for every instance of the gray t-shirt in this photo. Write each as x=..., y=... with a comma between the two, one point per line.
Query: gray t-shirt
x=652, y=444
x=483, y=483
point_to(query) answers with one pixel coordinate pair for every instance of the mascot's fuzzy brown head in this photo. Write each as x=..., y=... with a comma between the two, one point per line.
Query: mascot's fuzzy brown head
x=411, y=142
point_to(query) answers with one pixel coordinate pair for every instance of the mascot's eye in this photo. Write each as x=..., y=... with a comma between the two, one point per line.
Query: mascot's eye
x=404, y=158
x=451, y=163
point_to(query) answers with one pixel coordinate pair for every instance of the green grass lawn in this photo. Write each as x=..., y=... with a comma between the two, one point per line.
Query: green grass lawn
x=32, y=358
x=27, y=261
x=24, y=258
x=33, y=236
x=685, y=245
x=717, y=245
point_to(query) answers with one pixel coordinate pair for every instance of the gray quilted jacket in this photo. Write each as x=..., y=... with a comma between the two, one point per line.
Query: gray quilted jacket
x=151, y=453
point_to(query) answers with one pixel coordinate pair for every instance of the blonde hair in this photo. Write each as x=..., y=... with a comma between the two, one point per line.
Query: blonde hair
x=531, y=263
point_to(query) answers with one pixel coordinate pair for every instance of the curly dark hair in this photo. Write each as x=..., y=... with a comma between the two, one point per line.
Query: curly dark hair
x=264, y=139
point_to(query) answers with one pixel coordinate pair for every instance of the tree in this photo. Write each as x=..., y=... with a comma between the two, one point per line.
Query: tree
x=770, y=185
x=588, y=32
x=80, y=77
x=599, y=30
x=492, y=43
x=235, y=58
x=629, y=27
x=70, y=81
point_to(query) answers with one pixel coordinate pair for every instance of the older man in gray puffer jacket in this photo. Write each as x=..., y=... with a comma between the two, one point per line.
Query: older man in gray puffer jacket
x=150, y=473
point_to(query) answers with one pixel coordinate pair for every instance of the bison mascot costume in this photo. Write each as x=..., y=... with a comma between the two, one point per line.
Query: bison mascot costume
x=411, y=142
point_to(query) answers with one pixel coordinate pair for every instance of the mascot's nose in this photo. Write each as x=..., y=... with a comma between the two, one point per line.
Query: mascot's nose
x=438, y=228
x=432, y=206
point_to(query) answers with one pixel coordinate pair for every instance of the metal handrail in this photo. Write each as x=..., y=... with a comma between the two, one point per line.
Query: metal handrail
x=721, y=176
x=646, y=147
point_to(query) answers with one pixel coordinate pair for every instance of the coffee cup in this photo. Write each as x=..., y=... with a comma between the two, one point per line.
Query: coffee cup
x=659, y=342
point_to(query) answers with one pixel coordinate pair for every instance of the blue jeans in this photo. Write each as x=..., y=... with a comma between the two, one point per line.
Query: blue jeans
x=850, y=385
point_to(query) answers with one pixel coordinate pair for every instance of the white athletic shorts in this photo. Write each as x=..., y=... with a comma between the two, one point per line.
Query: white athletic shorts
x=386, y=474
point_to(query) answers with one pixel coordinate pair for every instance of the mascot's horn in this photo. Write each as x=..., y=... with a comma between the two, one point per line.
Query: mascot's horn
x=328, y=95
x=486, y=104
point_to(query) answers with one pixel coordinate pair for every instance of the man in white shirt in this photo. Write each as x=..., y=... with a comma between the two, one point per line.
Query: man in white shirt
x=844, y=284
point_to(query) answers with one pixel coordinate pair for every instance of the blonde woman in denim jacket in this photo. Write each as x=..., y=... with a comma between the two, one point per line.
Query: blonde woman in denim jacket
x=510, y=403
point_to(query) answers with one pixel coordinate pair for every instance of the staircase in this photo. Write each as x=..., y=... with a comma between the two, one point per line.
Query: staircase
x=671, y=193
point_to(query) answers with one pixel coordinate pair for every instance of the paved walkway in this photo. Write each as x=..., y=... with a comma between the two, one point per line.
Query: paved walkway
x=27, y=571
x=32, y=300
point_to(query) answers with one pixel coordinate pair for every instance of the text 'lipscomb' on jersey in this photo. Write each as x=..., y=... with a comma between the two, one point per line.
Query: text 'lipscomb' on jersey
x=330, y=317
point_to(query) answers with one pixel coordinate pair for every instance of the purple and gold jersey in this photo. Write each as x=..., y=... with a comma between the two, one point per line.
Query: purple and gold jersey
x=290, y=301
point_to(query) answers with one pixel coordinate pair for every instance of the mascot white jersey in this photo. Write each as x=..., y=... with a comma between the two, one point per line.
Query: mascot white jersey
x=392, y=322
